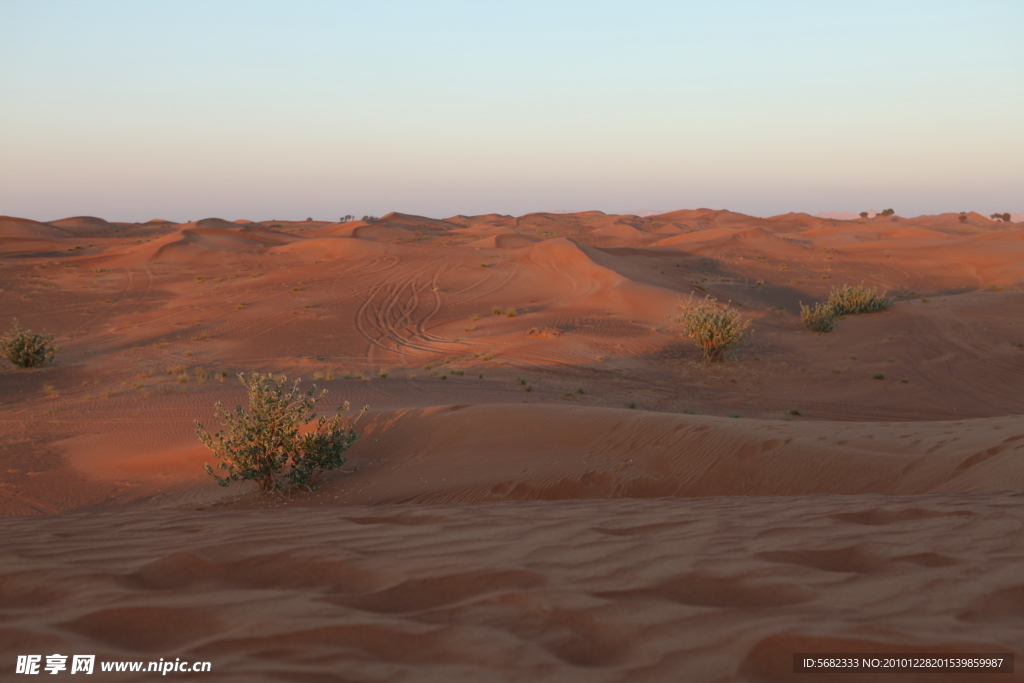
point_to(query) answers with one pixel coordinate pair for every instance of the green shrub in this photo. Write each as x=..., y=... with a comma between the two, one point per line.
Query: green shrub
x=711, y=327
x=27, y=349
x=264, y=444
x=821, y=318
x=860, y=299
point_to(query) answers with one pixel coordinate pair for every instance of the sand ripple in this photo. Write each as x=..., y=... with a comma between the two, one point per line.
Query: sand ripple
x=710, y=589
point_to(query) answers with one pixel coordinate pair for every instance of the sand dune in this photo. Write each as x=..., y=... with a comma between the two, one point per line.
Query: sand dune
x=797, y=222
x=699, y=236
x=420, y=222
x=191, y=243
x=212, y=223
x=624, y=233
x=504, y=240
x=83, y=224
x=551, y=484
x=23, y=227
x=381, y=233
x=487, y=453
x=718, y=216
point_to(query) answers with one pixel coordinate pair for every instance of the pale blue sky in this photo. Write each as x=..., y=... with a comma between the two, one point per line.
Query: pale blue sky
x=182, y=109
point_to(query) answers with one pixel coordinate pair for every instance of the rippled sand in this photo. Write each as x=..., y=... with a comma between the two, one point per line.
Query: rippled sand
x=711, y=589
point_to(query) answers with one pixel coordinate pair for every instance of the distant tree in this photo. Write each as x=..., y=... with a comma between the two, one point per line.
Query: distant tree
x=962, y=217
x=309, y=220
x=369, y=219
x=863, y=214
x=889, y=212
x=1005, y=217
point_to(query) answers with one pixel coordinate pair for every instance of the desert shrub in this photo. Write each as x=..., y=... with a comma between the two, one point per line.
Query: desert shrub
x=821, y=318
x=860, y=299
x=711, y=327
x=264, y=444
x=25, y=348
x=962, y=217
x=863, y=214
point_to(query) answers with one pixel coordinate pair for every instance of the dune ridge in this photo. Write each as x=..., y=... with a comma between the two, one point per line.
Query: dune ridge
x=551, y=484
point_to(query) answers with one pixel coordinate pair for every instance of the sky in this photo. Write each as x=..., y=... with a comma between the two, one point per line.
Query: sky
x=266, y=109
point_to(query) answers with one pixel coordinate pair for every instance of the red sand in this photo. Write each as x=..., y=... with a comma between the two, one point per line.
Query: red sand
x=671, y=521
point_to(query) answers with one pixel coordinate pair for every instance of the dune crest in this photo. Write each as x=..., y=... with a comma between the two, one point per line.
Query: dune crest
x=551, y=483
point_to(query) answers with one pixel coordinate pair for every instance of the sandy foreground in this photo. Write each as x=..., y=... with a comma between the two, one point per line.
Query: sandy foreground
x=551, y=485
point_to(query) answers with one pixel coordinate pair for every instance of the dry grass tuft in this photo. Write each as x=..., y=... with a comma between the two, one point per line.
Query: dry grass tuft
x=849, y=300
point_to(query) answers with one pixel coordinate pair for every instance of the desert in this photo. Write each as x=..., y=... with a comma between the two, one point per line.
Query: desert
x=550, y=482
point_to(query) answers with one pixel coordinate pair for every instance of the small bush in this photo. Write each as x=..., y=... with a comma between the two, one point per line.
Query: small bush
x=860, y=299
x=712, y=328
x=821, y=318
x=25, y=348
x=264, y=444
